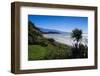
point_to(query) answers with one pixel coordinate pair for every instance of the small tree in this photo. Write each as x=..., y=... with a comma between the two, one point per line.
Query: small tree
x=77, y=35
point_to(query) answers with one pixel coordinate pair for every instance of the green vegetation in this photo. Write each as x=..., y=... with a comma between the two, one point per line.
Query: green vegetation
x=41, y=48
x=38, y=52
x=78, y=50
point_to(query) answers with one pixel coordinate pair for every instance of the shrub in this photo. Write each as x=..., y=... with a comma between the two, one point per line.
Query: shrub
x=79, y=52
x=51, y=40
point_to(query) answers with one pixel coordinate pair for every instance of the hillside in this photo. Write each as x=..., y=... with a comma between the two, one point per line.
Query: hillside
x=41, y=48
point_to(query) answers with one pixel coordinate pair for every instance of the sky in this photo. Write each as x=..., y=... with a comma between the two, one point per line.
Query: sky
x=61, y=23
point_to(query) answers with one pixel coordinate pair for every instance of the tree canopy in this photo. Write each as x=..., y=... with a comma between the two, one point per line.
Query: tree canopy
x=77, y=34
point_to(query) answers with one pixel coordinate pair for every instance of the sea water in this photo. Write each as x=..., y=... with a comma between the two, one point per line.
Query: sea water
x=65, y=38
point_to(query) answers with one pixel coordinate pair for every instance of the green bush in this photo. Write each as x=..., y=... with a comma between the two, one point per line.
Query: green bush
x=51, y=40
x=79, y=52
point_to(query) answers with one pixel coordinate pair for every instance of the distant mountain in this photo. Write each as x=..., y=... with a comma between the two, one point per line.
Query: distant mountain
x=52, y=31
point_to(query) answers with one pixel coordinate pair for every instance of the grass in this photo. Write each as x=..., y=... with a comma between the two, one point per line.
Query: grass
x=38, y=52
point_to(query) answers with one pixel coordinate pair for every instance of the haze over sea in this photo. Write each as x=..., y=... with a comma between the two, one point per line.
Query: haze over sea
x=65, y=38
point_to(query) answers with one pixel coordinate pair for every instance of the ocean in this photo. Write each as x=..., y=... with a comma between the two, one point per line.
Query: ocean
x=65, y=38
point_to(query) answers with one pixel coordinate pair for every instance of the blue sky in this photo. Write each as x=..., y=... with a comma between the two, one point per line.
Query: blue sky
x=61, y=23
